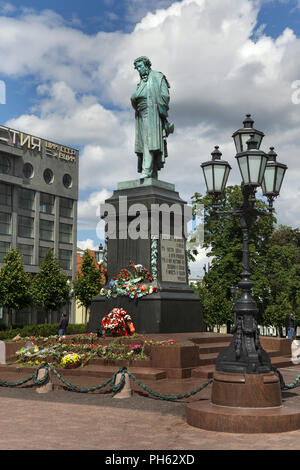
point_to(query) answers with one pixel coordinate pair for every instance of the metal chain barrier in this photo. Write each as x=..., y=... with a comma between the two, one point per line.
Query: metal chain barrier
x=114, y=388
x=283, y=385
x=169, y=397
x=111, y=382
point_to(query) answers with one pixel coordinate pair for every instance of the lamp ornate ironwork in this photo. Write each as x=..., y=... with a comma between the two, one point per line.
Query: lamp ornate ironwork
x=245, y=354
x=246, y=393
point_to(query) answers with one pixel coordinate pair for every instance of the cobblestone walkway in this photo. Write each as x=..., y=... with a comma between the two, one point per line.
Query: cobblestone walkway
x=64, y=420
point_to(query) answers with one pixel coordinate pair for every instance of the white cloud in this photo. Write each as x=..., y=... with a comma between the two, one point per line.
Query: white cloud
x=7, y=8
x=63, y=115
x=88, y=243
x=89, y=209
x=196, y=267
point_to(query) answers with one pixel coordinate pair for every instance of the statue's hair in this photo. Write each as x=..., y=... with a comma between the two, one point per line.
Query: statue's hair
x=144, y=59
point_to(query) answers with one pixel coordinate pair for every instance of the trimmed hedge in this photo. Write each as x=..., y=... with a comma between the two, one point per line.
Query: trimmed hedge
x=45, y=330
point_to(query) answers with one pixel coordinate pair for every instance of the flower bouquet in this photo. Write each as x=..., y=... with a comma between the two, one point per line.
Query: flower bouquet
x=139, y=271
x=133, y=283
x=117, y=323
x=70, y=361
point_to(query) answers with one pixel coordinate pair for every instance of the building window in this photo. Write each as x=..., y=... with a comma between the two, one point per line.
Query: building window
x=5, y=194
x=5, y=164
x=46, y=229
x=65, y=233
x=4, y=249
x=48, y=176
x=47, y=203
x=65, y=207
x=67, y=181
x=42, y=252
x=25, y=226
x=26, y=199
x=28, y=170
x=5, y=223
x=65, y=257
x=27, y=253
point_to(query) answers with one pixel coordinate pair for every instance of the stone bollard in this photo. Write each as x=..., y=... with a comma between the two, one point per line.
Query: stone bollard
x=48, y=385
x=2, y=352
x=126, y=391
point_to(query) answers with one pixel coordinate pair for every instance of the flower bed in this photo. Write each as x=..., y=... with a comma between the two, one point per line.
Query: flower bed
x=61, y=354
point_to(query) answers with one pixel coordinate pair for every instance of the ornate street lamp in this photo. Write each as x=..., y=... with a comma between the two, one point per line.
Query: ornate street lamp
x=242, y=135
x=245, y=354
x=252, y=163
x=216, y=172
x=99, y=254
x=273, y=177
x=246, y=393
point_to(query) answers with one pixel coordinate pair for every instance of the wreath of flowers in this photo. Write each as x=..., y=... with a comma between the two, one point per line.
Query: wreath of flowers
x=134, y=282
x=118, y=321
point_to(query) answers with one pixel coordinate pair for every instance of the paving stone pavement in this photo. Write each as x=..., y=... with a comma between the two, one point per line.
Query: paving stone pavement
x=66, y=420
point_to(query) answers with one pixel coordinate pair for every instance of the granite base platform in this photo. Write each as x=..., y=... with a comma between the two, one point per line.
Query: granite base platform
x=244, y=403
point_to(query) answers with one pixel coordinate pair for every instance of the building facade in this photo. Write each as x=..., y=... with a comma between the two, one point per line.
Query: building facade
x=38, y=203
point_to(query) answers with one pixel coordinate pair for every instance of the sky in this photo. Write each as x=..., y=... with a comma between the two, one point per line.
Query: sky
x=68, y=71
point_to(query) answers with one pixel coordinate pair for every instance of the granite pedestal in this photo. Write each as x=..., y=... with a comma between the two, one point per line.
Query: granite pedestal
x=147, y=205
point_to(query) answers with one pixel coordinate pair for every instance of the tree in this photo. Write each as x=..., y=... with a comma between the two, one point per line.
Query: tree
x=223, y=237
x=88, y=282
x=217, y=308
x=277, y=277
x=14, y=284
x=50, y=286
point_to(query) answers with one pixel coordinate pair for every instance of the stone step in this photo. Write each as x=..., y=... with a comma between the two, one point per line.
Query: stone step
x=282, y=361
x=91, y=370
x=208, y=348
x=205, y=372
x=206, y=359
x=204, y=338
x=95, y=370
x=210, y=357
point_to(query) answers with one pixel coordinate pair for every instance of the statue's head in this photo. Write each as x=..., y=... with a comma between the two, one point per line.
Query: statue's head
x=142, y=65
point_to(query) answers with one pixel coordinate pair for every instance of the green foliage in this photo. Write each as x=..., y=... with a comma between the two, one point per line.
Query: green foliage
x=275, y=313
x=42, y=330
x=223, y=237
x=216, y=306
x=50, y=287
x=277, y=278
x=14, y=284
x=88, y=281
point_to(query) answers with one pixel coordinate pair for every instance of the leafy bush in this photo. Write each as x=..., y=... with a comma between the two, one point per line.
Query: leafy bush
x=44, y=330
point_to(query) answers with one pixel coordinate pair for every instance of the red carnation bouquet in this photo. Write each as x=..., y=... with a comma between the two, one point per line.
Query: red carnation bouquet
x=118, y=323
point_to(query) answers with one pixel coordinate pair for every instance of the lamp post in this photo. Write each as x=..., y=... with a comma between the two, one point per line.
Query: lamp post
x=246, y=394
x=99, y=253
x=245, y=354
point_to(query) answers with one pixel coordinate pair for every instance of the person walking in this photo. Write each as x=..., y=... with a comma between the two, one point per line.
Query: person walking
x=290, y=324
x=63, y=324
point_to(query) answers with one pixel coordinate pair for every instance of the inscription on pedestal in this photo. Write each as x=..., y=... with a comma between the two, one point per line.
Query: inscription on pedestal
x=173, y=261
